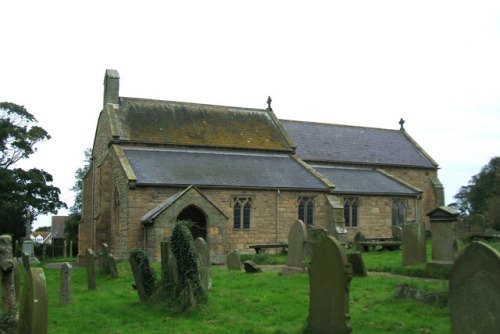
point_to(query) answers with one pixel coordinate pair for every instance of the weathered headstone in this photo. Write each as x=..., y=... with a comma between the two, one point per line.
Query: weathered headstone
x=71, y=248
x=397, y=233
x=65, y=249
x=203, y=257
x=26, y=262
x=7, y=272
x=359, y=237
x=143, y=274
x=297, y=247
x=474, y=298
x=251, y=267
x=65, y=284
x=113, y=271
x=233, y=261
x=103, y=259
x=33, y=313
x=414, y=248
x=90, y=265
x=29, y=248
x=329, y=278
x=444, y=239
x=357, y=263
x=314, y=236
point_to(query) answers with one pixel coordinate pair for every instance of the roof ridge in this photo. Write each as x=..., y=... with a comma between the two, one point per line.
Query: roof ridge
x=340, y=125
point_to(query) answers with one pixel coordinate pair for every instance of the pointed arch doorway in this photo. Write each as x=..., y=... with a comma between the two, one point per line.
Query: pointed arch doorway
x=198, y=219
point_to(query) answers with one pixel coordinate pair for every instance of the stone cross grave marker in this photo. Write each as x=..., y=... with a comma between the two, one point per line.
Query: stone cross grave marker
x=413, y=238
x=33, y=313
x=233, y=261
x=297, y=247
x=65, y=284
x=329, y=279
x=113, y=271
x=357, y=263
x=474, y=297
x=203, y=258
x=7, y=271
x=90, y=265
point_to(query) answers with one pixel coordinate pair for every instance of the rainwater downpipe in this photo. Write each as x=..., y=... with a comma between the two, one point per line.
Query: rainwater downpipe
x=93, y=204
x=277, y=215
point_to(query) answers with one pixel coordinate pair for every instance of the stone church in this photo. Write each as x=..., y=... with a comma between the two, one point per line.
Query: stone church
x=242, y=176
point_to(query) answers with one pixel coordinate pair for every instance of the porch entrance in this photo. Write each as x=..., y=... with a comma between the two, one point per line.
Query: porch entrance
x=198, y=221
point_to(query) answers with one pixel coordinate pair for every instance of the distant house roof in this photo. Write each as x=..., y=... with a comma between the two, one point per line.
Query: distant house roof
x=217, y=168
x=45, y=237
x=334, y=143
x=57, y=227
x=190, y=124
x=364, y=181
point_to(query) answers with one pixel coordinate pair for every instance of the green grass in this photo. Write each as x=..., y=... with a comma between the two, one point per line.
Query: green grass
x=238, y=303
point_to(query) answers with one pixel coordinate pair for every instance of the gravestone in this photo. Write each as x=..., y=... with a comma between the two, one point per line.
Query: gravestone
x=251, y=267
x=90, y=265
x=397, y=233
x=444, y=239
x=329, y=279
x=17, y=280
x=414, y=248
x=26, y=262
x=474, y=283
x=297, y=247
x=113, y=271
x=314, y=235
x=29, y=248
x=477, y=224
x=33, y=310
x=65, y=284
x=359, y=237
x=203, y=258
x=71, y=248
x=65, y=249
x=103, y=259
x=233, y=261
x=143, y=274
x=357, y=263
x=7, y=271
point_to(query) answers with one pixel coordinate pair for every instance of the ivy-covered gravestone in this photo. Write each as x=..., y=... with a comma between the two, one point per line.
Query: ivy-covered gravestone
x=143, y=274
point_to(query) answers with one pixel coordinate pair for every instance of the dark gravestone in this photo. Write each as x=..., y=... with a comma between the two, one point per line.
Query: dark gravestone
x=103, y=259
x=359, y=237
x=26, y=261
x=65, y=284
x=251, y=267
x=357, y=263
x=315, y=235
x=169, y=273
x=414, y=249
x=474, y=299
x=90, y=265
x=233, y=261
x=297, y=247
x=143, y=274
x=7, y=272
x=203, y=258
x=33, y=313
x=113, y=271
x=329, y=278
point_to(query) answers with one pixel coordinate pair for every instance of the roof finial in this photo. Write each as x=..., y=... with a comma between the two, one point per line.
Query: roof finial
x=402, y=122
x=269, y=100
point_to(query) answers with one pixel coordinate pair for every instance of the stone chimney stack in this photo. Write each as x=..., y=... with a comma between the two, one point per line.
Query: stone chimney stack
x=111, y=87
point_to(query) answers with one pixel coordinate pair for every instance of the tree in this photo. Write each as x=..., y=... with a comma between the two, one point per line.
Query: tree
x=23, y=194
x=71, y=224
x=482, y=194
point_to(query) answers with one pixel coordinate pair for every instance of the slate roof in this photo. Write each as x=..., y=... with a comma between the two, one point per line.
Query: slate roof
x=190, y=124
x=364, y=181
x=217, y=168
x=334, y=143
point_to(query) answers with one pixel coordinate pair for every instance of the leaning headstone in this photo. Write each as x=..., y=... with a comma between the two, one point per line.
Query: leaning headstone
x=297, y=247
x=90, y=265
x=33, y=313
x=357, y=263
x=251, y=267
x=203, y=257
x=65, y=284
x=329, y=279
x=113, y=271
x=414, y=248
x=474, y=298
x=233, y=261
x=143, y=274
x=7, y=272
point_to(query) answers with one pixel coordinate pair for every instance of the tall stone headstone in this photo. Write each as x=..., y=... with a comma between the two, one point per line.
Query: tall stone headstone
x=71, y=248
x=233, y=261
x=314, y=236
x=357, y=263
x=474, y=297
x=414, y=248
x=90, y=265
x=28, y=248
x=65, y=284
x=329, y=279
x=297, y=248
x=113, y=271
x=203, y=257
x=103, y=259
x=33, y=313
x=444, y=238
x=7, y=272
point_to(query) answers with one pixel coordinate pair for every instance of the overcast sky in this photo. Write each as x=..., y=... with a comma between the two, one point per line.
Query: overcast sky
x=365, y=63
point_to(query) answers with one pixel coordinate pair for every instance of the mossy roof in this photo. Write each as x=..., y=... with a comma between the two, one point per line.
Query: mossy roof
x=189, y=124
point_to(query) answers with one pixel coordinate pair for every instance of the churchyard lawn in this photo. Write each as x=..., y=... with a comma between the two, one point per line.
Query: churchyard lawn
x=238, y=303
